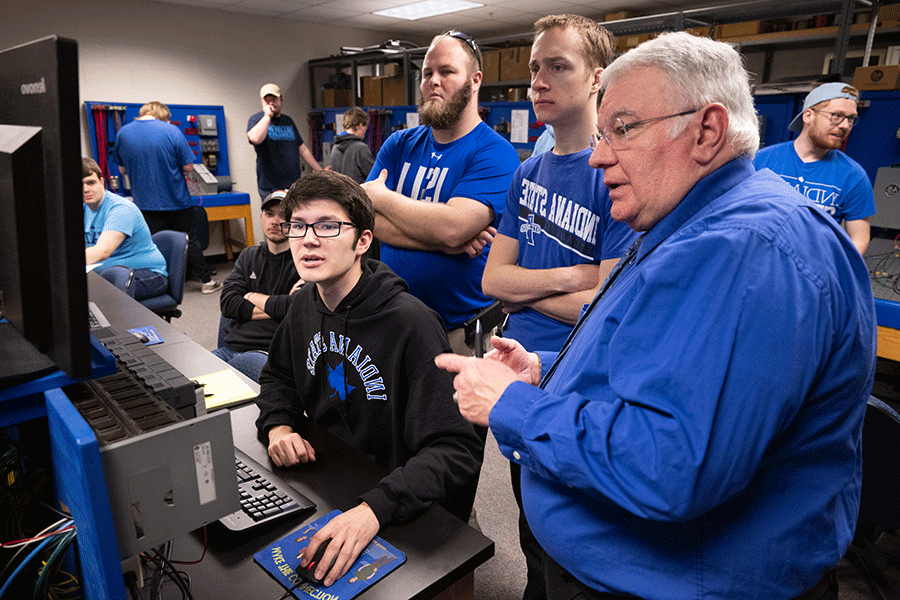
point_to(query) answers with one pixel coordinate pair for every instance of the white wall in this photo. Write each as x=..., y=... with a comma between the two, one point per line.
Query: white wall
x=138, y=50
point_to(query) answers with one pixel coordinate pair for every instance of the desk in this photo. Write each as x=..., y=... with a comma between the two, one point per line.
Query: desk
x=442, y=551
x=227, y=206
x=882, y=261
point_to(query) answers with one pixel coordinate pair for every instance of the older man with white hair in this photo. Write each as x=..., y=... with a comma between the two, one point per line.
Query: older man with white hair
x=698, y=435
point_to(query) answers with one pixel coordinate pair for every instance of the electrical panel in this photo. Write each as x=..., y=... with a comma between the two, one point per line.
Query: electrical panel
x=203, y=128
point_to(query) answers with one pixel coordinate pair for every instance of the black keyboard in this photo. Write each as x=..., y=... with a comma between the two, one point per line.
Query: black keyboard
x=264, y=496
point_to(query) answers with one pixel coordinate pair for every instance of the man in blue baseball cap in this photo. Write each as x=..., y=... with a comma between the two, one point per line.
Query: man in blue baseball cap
x=814, y=165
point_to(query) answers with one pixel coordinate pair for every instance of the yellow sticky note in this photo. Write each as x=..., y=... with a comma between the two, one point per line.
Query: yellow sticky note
x=224, y=387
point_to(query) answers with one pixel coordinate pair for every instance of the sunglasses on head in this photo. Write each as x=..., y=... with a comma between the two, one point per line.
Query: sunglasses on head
x=468, y=40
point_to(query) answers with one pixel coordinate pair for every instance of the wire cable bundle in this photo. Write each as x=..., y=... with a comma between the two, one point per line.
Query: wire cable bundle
x=55, y=539
x=886, y=271
x=163, y=566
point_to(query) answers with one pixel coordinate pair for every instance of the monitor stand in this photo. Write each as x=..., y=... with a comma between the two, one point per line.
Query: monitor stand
x=19, y=360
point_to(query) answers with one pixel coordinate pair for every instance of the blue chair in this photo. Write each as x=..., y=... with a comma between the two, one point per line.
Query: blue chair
x=173, y=245
x=119, y=276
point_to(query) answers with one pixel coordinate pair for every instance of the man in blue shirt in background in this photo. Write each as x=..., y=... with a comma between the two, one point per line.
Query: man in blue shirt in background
x=699, y=434
x=278, y=144
x=814, y=165
x=156, y=157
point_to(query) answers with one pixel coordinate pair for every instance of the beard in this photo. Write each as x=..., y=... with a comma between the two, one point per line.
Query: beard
x=444, y=115
x=823, y=139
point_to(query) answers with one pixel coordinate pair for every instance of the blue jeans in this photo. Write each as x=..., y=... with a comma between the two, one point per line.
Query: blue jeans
x=144, y=283
x=249, y=363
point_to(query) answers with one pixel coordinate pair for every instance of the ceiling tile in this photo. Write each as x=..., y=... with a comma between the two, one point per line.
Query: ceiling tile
x=364, y=6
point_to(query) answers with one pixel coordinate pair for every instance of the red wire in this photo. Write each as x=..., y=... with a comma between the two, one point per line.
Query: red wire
x=96, y=112
x=39, y=537
x=100, y=127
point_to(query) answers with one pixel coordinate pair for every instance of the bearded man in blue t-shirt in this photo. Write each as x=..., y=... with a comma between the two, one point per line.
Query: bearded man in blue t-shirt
x=439, y=189
x=814, y=165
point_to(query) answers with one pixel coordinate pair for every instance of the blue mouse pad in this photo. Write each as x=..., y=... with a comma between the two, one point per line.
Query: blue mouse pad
x=151, y=333
x=282, y=558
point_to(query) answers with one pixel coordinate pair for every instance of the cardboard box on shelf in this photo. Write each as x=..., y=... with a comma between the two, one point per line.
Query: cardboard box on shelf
x=490, y=65
x=371, y=91
x=745, y=28
x=618, y=16
x=889, y=12
x=391, y=69
x=514, y=63
x=392, y=90
x=627, y=42
x=332, y=98
x=877, y=78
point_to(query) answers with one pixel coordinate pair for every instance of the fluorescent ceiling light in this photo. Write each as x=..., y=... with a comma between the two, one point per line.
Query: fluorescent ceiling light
x=428, y=8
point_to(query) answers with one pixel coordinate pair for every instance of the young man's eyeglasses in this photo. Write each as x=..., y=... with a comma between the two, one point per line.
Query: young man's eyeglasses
x=838, y=118
x=616, y=135
x=468, y=40
x=322, y=229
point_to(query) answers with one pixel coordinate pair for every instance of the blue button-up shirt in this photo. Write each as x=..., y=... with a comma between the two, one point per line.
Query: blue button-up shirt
x=700, y=436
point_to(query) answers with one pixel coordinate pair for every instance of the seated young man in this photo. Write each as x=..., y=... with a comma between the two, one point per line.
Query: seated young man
x=355, y=353
x=116, y=236
x=257, y=294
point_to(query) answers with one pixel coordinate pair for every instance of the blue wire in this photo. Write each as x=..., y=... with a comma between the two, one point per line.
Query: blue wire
x=28, y=558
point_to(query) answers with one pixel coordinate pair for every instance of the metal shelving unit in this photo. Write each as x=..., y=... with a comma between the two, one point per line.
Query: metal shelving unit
x=700, y=18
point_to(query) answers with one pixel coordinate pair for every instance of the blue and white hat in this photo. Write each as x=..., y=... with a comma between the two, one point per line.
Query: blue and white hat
x=826, y=91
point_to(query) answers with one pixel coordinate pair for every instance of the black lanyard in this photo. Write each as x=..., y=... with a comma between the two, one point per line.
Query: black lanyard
x=627, y=259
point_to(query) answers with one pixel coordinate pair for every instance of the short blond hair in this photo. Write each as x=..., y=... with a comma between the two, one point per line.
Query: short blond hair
x=156, y=110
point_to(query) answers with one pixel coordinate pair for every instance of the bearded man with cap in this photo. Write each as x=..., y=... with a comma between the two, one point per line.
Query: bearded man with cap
x=278, y=144
x=257, y=294
x=814, y=165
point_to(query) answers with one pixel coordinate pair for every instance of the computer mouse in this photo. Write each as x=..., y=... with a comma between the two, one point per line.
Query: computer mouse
x=140, y=336
x=309, y=573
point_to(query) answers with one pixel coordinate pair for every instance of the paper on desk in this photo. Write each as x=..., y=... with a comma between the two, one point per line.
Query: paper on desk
x=224, y=387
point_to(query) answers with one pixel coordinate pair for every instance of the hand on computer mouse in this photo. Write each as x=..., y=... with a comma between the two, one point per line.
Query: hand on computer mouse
x=311, y=570
x=347, y=534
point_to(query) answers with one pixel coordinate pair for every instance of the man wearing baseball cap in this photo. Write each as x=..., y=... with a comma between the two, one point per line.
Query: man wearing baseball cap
x=814, y=165
x=278, y=144
x=256, y=295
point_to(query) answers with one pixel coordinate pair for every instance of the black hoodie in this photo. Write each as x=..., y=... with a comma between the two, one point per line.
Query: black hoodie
x=366, y=373
x=352, y=157
x=256, y=270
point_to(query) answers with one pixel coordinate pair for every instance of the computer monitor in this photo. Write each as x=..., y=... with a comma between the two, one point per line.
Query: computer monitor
x=43, y=287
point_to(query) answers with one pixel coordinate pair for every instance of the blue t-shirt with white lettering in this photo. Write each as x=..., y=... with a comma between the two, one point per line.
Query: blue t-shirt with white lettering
x=557, y=209
x=278, y=155
x=837, y=184
x=479, y=166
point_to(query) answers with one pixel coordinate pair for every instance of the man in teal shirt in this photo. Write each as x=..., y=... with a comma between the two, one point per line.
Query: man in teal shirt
x=116, y=236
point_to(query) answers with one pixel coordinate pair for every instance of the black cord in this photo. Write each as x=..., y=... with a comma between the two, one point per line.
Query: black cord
x=288, y=593
x=172, y=573
x=131, y=584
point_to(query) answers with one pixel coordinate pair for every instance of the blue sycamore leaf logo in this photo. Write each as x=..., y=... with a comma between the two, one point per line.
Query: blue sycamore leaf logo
x=338, y=383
